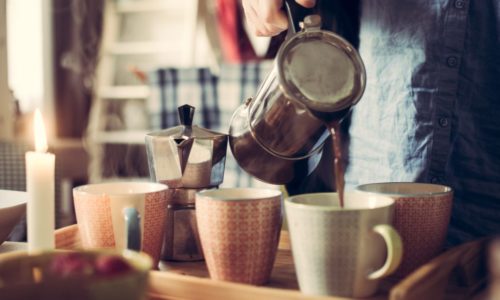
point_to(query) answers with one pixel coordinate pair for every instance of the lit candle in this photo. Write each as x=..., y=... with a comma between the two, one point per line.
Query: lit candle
x=40, y=186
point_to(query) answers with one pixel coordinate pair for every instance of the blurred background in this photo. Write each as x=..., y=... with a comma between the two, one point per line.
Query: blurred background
x=104, y=73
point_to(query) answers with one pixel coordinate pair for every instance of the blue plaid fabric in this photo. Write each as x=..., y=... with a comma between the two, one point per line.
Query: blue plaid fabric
x=12, y=166
x=174, y=87
x=13, y=177
x=215, y=96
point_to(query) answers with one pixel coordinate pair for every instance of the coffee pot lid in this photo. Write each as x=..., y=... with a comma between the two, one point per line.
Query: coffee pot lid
x=320, y=69
x=186, y=130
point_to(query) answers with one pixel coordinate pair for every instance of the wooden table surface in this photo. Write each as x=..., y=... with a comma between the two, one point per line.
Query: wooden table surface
x=13, y=246
x=283, y=275
x=457, y=274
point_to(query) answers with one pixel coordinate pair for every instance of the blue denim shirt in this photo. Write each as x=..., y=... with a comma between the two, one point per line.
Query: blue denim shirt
x=431, y=109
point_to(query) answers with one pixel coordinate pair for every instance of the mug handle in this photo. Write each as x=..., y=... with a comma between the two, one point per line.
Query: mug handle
x=132, y=228
x=394, y=251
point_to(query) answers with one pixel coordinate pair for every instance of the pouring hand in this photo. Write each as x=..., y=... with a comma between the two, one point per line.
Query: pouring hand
x=266, y=18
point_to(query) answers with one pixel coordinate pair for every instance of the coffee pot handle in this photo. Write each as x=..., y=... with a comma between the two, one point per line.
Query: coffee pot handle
x=394, y=251
x=296, y=14
x=186, y=114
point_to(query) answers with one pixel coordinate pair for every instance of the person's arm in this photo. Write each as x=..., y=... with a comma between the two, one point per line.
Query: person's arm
x=266, y=18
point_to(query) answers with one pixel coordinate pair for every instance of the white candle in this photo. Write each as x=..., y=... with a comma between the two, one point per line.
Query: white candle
x=40, y=185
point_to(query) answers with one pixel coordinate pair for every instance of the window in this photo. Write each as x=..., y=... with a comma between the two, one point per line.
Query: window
x=24, y=52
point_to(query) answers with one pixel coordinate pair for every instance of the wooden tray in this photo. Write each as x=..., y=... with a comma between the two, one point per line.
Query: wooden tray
x=456, y=274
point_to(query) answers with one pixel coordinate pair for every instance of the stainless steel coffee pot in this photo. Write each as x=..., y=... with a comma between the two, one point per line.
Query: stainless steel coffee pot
x=187, y=156
x=317, y=77
x=187, y=159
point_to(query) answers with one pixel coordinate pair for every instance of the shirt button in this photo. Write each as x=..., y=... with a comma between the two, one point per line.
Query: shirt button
x=435, y=180
x=443, y=122
x=460, y=4
x=452, y=61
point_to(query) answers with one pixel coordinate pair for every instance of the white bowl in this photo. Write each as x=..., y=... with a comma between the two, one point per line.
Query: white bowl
x=12, y=209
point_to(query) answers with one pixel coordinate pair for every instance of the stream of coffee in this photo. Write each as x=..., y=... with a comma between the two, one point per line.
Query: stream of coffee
x=334, y=128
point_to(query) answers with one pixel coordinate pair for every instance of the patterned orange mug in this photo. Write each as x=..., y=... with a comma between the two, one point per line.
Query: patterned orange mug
x=422, y=214
x=239, y=232
x=122, y=215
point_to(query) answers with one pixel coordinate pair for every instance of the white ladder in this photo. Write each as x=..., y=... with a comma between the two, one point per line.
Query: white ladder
x=174, y=49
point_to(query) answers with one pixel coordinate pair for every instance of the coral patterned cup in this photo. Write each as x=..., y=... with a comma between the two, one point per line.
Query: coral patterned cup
x=239, y=232
x=122, y=215
x=422, y=214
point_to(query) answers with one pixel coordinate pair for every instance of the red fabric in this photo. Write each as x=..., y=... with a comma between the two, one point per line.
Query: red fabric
x=235, y=44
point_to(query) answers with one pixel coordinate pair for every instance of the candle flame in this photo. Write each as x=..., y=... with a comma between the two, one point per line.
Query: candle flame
x=40, y=134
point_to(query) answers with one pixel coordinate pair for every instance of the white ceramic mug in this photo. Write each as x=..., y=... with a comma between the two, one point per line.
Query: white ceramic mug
x=341, y=251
